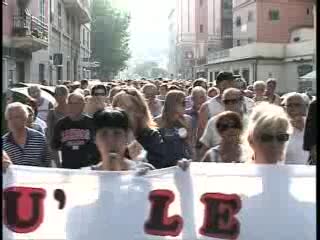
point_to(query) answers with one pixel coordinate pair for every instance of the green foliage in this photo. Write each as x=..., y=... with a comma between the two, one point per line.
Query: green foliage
x=109, y=38
x=150, y=70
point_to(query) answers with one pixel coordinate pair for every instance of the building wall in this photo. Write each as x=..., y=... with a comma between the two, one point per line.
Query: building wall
x=248, y=31
x=292, y=13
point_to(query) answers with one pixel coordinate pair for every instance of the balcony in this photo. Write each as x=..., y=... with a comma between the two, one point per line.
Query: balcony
x=79, y=8
x=29, y=33
x=253, y=50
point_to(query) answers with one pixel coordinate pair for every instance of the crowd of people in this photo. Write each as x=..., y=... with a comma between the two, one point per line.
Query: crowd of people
x=152, y=124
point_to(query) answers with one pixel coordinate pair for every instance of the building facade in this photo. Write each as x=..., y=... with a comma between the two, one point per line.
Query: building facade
x=25, y=41
x=41, y=41
x=172, y=63
x=68, y=47
x=192, y=36
x=202, y=26
x=270, y=39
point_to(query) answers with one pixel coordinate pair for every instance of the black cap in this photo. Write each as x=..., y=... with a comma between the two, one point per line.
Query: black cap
x=225, y=76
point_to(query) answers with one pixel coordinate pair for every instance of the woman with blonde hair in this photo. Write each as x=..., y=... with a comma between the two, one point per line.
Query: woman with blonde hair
x=268, y=132
x=175, y=127
x=145, y=135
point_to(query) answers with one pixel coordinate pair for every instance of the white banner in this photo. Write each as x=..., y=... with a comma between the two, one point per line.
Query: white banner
x=209, y=201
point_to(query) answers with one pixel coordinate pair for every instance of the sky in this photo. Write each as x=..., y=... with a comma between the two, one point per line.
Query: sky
x=148, y=28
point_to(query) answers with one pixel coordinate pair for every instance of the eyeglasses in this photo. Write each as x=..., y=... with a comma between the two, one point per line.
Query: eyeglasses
x=282, y=137
x=291, y=105
x=231, y=101
x=225, y=126
x=99, y=94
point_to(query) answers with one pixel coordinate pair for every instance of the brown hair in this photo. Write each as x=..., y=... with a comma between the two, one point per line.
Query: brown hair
x=233, y=116
x=140, y=102
x=170, y=107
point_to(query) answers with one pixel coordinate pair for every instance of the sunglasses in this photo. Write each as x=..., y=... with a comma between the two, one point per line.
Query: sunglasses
x=231, y=101
x=282, y=137
x=225, y=126
x=99, y=94
x=293, y=105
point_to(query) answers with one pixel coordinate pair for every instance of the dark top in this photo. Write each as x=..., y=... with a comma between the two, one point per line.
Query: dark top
x=152, y=142
x=310, y=133
x=75, y=139
x=34, y=152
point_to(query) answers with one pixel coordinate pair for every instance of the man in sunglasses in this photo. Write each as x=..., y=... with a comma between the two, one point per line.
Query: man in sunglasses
x=215, y=106
x=97, y=100
x=232, y=100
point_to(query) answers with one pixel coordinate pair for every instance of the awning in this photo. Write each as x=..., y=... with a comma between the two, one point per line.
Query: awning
x=310, y=75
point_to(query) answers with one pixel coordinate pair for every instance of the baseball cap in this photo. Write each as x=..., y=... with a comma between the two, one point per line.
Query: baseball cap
x=225, y=76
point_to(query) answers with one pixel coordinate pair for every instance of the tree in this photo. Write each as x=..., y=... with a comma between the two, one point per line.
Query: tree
x=150, y=69
x=109, y=38
x=159, y=72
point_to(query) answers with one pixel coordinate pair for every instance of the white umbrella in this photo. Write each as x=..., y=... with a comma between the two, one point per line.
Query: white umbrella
x=44, y=94
x=310, y=75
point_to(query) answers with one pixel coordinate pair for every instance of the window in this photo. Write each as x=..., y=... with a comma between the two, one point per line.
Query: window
x=296, y=39
x=84, y=37
x=41, y=72
x=88, y=37
x=41, y=8
x=201, y=28
x=238, y=21
x=246, y=75
x=308, y=11
x=51, y=10
x=201, y=3
x=250, y=16
x=216, y=74
x=59, y=16
x=250, y=40
x=238, y=43
x=68, y=23
x=274, y=15
x=59, y=9
x=211, y=76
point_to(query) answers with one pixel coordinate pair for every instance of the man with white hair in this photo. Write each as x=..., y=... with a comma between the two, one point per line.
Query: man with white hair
x=24, y=145
x=296, y=108
x=73, y=135
x=198, y=97
x=43, y=105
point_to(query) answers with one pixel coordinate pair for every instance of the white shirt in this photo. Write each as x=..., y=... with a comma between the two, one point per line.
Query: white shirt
x=214, y=107
x=295, y=153
x=43, y=110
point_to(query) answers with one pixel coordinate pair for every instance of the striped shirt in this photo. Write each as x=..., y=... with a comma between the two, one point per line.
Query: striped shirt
x=33, y=153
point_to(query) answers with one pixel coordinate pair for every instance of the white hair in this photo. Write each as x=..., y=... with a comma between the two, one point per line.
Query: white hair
x=16, y=105
x=198, y=89
x=304, y=99
x=259, y=84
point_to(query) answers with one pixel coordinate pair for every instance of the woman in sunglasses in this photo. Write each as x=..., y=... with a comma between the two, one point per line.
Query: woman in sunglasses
x=230, y=128
x=268, y=134
x=97, y=100
x=176, y=128
x=296, y=108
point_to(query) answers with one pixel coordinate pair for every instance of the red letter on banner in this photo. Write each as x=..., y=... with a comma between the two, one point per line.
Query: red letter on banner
x=24, y=211
x=219, y=215
x=159, y=223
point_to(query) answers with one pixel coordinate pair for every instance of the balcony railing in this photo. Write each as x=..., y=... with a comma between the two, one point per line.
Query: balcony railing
x=30, y=26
